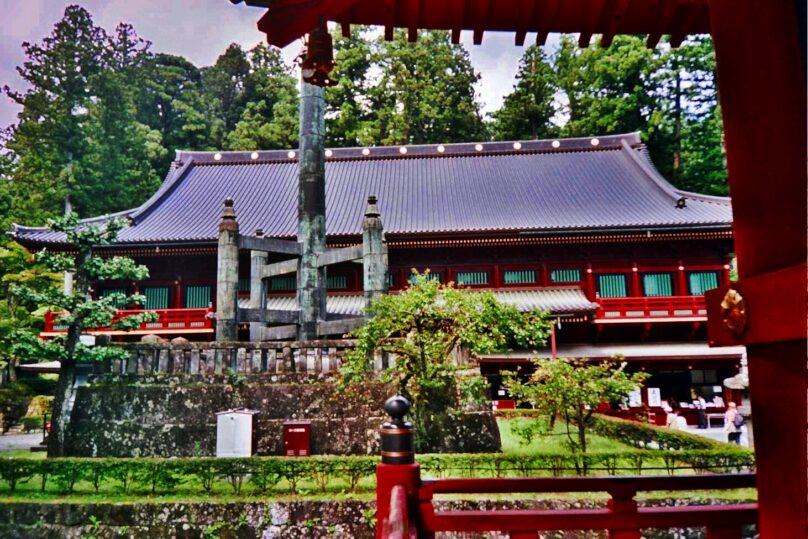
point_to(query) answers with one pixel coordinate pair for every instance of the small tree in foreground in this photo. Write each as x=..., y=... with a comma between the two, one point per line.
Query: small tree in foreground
x=572, y=389
x=78, y=311
x=421, y=327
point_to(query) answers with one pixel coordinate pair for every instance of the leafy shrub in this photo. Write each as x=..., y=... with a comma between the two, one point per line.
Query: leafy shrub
x=31, y=423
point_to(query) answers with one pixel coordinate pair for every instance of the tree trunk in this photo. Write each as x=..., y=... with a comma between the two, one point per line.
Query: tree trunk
x=62, y=408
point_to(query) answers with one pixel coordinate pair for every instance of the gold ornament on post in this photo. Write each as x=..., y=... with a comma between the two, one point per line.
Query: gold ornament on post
x=733, y=311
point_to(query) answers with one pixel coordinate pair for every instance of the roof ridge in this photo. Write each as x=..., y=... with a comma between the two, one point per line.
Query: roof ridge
x=651, y=173
x=172, y=180
x=455, y=149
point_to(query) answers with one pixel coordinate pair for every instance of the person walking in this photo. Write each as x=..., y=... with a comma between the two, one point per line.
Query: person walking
x=733, y=421
x=700, y=405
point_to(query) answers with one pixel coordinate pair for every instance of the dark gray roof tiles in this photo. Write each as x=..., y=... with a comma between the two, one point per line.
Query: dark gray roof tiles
x=546, y=186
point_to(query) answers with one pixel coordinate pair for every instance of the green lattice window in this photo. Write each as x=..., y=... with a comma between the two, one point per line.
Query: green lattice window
x=657, y=284
x=612, y=285
x=701, y=281
x=198, y=296
x=565, y=276
x=244, y=284
x=287, y=282
x=156, y=297
x=519, y=277
x=432, y=276
x=119, y=303
x=471, y=278
x=336, y=282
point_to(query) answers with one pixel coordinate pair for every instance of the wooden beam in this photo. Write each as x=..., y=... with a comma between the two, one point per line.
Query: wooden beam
x=524, y=23
x=480, y=17
x=547, y=19
x=287, y=20
x=763, y=93
x=269, y=245
x=337, y=256
x=279, y=333
x=612, y=25
x=339, y=327
x=269, y=316
x=596, y=10
x=413, y=19
x=687, y=15
x=669, y=9
x=389, y=19
x=279, y=268
x=459, y=12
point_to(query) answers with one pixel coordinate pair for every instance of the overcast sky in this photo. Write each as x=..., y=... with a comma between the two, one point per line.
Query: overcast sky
x=200, y=30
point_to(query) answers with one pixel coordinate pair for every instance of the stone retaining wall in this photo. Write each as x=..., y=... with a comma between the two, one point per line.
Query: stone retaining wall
x=265, y=519
x=172, y=416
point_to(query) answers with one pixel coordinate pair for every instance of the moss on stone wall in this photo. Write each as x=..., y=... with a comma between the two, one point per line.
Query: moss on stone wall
x=167, y=416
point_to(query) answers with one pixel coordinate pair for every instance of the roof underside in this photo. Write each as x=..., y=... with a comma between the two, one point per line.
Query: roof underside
x=632, y=351
x=532, y=187
x=287, y=20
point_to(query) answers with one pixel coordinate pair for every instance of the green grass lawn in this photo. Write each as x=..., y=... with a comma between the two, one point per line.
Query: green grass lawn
x=555, y=441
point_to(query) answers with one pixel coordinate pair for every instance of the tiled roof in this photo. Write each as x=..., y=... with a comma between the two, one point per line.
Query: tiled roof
x=555, y=300
x=533, y=187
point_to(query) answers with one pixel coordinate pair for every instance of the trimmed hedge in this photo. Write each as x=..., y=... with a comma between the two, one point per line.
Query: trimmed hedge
x=201, y=475
x=642, y=434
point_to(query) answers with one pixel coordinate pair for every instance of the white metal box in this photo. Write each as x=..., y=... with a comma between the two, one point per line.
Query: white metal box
x=234, y=433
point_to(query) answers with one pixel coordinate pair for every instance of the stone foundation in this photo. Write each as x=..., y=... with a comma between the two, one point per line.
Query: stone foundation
x=174, y=415
x=265, y=519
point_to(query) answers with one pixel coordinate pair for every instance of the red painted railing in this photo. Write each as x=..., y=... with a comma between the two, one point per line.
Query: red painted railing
x=405, y=504
x=668, y=307
x=172, y=321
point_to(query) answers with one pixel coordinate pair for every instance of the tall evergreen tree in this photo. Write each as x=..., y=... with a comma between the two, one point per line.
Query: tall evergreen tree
x=49, y=135
x=606, y=90
x=350, y=119
x=224, y=84
x=528, y=111
x=270, y=118
x=77, y=144
x=425, y=92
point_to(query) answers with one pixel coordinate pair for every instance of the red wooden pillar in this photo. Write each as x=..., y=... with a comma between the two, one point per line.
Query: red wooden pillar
x=681, y=281
x=635, y=287
x=761, y=74
x=176, y=300
x=591, y=291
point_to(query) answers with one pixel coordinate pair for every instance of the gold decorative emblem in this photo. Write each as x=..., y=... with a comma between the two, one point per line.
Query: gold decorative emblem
x=733, y=311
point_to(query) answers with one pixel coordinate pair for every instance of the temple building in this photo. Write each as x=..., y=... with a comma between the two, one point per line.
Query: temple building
x=585, y=229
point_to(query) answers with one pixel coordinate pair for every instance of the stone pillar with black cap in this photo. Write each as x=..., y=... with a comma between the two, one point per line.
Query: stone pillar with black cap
x=374, y=253
x=398, y=466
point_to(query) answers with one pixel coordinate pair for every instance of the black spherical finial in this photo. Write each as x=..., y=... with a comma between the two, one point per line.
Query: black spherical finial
x=397, y=407
x=228, y=202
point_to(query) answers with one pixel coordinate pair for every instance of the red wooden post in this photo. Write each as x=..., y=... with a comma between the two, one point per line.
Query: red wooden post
x=636, y=288
x=761, y=71
x=724, y=532
x=590, y=283
x=681, y=281
x=398, y=467
x=624, y=505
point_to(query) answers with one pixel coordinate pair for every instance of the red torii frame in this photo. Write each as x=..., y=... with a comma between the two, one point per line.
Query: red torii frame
x=760, y=52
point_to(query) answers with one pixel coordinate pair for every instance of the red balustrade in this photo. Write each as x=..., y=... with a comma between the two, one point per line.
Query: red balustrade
x=405, y=503
x=660, y=308
x=169, y=321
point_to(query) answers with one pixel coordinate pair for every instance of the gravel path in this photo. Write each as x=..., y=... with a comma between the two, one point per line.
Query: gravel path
x=12, y=442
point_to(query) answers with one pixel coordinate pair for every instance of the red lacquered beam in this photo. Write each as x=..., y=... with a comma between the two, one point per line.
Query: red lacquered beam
x=586, y=484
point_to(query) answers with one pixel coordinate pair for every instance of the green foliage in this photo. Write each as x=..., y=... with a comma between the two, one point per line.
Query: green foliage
x=528, y=111
x=396, y=92
x=668, y=95
x=643, y=435
x=573, y=389
x=421, y=327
